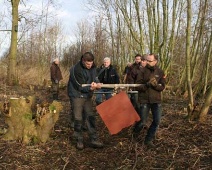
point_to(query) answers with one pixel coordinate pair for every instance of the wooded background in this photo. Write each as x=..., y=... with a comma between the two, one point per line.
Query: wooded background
x=179, y=31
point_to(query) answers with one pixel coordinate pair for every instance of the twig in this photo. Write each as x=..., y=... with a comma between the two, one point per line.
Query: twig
x=196, y=161
x=66, y=162
x=136, y=156
x=175, y=151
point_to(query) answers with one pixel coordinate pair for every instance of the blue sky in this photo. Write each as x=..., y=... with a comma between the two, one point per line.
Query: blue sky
x=69, y=12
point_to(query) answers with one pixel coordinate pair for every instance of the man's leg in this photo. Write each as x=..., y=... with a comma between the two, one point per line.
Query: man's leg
x=156, y=110
x=78, y=104
x=108, y=95
x=143, y=113
x=91, y=124
x=99, y=97
x=55, y=90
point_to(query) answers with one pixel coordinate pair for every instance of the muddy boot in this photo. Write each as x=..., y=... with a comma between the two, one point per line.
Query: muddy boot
x=72, y=124
x=95, y=143
x=55, y=96
x=84, y=128
x=149, y=144
x=80, y=144
x=78, y=134
x=137, y=129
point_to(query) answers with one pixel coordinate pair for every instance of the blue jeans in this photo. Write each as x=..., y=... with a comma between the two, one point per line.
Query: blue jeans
x=134, y=101
x=101, y=92
x=144, y=109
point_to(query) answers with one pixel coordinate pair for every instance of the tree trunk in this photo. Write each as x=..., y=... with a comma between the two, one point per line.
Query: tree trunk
x=26, y=126
x=13, y=47
x=188, y=61
x=205, y=107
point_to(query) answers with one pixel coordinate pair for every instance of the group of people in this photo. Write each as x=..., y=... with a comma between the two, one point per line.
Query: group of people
x=143, y=71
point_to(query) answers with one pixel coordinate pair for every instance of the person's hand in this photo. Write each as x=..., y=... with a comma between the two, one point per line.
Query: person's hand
x=95, y=86
x=153, y=82
x=56, y=81
x=99, y=85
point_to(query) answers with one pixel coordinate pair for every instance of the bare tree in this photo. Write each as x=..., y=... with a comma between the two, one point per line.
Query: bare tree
x=188, y=60
x=12, y=79
x=204, y=110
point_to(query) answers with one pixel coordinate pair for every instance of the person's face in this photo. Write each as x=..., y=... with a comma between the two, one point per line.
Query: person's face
x=107, y=63
x=88, y=64
x=151, y=60
x=143, y=63
x=137, y=59
x=57, y=62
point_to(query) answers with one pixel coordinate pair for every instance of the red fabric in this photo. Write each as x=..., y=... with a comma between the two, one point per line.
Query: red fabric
x=117, y=112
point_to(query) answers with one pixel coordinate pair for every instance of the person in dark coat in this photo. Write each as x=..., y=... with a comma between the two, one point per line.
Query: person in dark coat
x=130, y=79
x=56, y=76
x=126, y=70
x=149, y=97
x=107, y=74
x=84, y=72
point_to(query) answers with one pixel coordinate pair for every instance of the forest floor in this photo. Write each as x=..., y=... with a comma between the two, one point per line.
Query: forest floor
x=180, y=144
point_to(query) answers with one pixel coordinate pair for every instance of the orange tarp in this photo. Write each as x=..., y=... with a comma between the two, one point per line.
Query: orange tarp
x=117, y=112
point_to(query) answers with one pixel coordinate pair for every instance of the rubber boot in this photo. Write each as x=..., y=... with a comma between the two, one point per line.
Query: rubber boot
x=80, y=144
x=149, y=144
x=78, y=134
x=95, y=143
x=137, y=129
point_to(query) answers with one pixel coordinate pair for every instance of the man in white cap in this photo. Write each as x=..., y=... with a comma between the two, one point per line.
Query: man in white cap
x=56, y=76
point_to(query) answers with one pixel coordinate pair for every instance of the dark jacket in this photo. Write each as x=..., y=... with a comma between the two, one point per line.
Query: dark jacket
x=150, y=94
x=55, y=72
x=132, y=76
x=79, y=75
x=108, y=75
x=132, y=73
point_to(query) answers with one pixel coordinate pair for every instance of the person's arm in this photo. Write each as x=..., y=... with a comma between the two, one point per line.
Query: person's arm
x=160, y=85
x=140, y=80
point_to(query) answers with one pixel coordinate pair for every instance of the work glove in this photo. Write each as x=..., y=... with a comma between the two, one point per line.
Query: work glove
x=153, y=82
x=56, y=81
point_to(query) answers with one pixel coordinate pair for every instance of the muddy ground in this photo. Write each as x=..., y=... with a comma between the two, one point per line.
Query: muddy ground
x=180, y=144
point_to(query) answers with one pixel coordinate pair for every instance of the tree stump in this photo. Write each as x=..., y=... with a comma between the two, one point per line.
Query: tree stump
x=26, y=126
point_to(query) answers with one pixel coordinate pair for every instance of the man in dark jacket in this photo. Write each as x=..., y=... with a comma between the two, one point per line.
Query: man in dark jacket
x=126, y=70
x=149, y=97
x=56, y=76
x=107, y=74
x=84, y=72
x=131, y=78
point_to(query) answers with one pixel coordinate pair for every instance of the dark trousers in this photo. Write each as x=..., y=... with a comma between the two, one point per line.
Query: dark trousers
x=72, y=114
x=55, y=90
x=134, y=101
x=83, y=106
